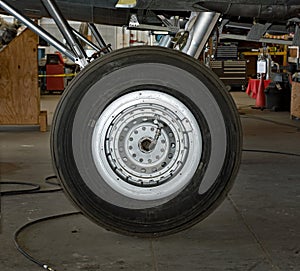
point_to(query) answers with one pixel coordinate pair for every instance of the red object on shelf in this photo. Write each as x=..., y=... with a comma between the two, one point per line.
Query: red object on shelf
x=253, y=87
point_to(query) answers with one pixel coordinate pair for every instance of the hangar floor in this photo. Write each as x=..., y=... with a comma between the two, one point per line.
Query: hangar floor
x=256, y=228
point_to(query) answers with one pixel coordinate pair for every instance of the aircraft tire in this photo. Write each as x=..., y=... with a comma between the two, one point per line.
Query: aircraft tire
x=146, y=141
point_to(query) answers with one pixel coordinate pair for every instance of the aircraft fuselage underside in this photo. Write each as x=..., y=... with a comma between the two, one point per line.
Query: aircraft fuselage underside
x=105, y=12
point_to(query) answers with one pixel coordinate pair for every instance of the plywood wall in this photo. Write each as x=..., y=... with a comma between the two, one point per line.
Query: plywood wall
x=295, y=100
x=19, y=93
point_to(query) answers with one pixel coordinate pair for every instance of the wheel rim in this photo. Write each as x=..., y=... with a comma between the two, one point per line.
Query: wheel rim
x=146, y=145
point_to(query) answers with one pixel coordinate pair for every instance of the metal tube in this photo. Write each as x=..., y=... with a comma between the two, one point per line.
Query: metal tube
x=66, y=31
x=98, y=37
x=165, y=41
x=85, y=40
x=38, y=30
x=204, y=23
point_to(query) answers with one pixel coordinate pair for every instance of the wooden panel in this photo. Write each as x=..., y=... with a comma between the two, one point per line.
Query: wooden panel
x=295, y=100
x=19, y=93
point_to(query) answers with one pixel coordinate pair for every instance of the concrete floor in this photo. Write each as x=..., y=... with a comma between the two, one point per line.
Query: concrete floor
x=256, y=228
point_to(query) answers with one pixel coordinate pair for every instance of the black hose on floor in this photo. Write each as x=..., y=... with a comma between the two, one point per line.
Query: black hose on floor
x=52, y=177
x=272, y=152
x=31, y=223
x=34, y=188
x=246, y=116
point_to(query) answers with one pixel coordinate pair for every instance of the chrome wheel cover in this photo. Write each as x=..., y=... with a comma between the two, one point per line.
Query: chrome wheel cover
x=147, y=145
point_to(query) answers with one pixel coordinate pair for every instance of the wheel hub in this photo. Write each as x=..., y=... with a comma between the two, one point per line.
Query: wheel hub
x=146, y=145
x=141, y=152
x=145, y=140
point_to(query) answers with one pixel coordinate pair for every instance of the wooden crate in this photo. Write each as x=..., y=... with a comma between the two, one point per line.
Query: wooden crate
x=295, y=100
x=19, y=92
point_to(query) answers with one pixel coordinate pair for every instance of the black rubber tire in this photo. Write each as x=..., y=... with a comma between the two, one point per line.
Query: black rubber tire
x=112, y=76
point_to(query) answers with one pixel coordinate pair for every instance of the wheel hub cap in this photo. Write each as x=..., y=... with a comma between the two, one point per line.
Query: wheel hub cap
x=146, y=140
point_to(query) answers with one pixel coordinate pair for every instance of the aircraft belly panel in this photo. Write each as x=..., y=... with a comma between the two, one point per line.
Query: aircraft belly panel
x=104, y=11
x=77, y=10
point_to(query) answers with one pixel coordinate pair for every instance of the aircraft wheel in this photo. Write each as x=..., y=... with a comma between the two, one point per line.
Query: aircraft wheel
x=146, y=141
